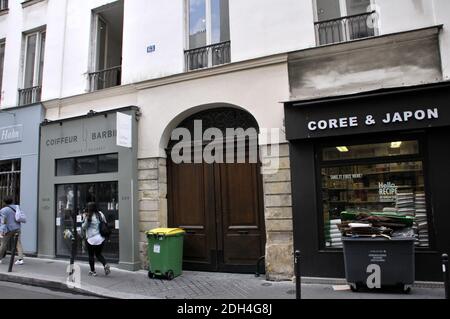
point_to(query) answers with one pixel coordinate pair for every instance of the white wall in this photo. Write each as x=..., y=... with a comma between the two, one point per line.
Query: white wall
x=442, y=16
x=258, y=28
x=258, y=91
x=54, y=49
x=12, y=26
x=404, y=15
x=265, y=27
x=159, y=23
x=79, y=107
x=77, y=46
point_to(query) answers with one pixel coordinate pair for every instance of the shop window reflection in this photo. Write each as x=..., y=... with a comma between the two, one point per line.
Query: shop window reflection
x=106, y=197
x=389, y=186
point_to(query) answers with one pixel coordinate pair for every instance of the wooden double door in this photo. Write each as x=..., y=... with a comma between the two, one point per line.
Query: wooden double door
x=221, y=208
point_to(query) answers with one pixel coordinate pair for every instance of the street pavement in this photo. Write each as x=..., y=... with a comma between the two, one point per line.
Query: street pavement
x=18, y=291
x=191, y=285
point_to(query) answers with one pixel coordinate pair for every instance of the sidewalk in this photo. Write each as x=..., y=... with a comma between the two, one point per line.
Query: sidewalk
x=192, y=285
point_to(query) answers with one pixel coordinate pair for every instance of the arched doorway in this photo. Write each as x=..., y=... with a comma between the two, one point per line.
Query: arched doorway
x=220, y=205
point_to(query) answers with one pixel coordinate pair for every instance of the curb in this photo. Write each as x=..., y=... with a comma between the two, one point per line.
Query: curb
x=49, y=284
x=341, y=281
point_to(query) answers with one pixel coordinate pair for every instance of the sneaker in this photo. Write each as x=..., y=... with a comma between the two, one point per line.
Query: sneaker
x=93, y=274
x=19, y=262
x=107, y=270
x=1, y=261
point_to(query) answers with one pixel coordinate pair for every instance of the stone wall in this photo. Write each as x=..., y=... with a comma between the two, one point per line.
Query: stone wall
x=152, y=176
x=278, y=216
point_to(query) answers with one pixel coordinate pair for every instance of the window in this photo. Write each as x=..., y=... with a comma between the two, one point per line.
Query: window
x=33, y=68
x=2, y=62
x=3, y=5
x=71, y=201
x=88, y=165
x=106, y=51
x=108, y=163
x=386, y=178
x=10, y=180
x=209, y=33
x=343, y=20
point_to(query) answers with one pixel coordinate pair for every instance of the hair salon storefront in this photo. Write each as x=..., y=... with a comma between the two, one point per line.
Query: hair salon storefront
x=19, y=156
x=367, y=153
x=81, y=162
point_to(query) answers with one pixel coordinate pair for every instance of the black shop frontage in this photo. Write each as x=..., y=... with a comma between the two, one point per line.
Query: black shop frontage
x=382, y=151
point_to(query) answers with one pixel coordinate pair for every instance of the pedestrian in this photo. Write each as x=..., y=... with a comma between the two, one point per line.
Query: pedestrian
x=9, y=228
x=94, y=240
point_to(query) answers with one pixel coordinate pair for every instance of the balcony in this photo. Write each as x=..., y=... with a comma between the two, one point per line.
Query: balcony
x=104, y=79
x=208, y=56
x=3, y=5
x=30, y=95
x=345, y=29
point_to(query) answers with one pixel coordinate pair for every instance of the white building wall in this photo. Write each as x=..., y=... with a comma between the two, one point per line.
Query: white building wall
x=159, y=23
x=404, y=15
x=52, y=81
x=12, y=26
x=258, y=28
x=258, y=91
x=77, y=46
x=264, y=27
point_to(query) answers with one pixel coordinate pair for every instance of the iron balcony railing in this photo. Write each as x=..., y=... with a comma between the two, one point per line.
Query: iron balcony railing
x=3, y=5
x=346, y=28
x=30, y=95
x=208, y=56
x=104, y=79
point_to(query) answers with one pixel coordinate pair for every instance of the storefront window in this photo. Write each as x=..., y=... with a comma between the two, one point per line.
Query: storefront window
x=370, y=151
x=382, y=178
x=65, y=167
x=71, y=201
x=88, y=165
x=108, y=163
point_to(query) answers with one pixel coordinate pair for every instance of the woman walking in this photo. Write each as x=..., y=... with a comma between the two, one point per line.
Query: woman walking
x=94, y=240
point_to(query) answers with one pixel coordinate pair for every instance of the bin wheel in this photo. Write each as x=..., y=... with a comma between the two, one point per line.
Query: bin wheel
x=406, y=289
x=354, y=287
x=151, y=275
x=170, y=275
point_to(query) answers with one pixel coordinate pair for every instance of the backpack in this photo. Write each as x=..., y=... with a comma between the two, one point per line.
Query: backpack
x=19, y=216
x=104, y=229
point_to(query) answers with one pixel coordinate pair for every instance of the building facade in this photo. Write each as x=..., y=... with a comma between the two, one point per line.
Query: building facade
x=231, y=64
x=19, y=162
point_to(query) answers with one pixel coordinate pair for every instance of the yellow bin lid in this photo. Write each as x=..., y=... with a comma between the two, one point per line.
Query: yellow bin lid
x=166, y=231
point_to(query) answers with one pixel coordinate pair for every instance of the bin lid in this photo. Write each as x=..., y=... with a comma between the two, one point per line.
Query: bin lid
x=166, y=231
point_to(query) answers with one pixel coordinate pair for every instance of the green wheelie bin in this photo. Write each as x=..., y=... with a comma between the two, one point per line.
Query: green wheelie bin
x=165, y=252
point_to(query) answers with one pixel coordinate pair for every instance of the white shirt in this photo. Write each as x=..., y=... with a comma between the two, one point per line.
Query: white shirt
x=96, y=240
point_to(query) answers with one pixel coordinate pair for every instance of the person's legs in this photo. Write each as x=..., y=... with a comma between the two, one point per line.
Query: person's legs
x=19, y=247
x=98, y=253
x=91, y=252
x=4, y=244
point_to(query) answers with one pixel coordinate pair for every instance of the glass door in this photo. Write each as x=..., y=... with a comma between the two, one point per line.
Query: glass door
x=71, y=201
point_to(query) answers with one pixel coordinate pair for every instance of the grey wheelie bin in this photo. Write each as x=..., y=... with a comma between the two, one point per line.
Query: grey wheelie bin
x=393, y=259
